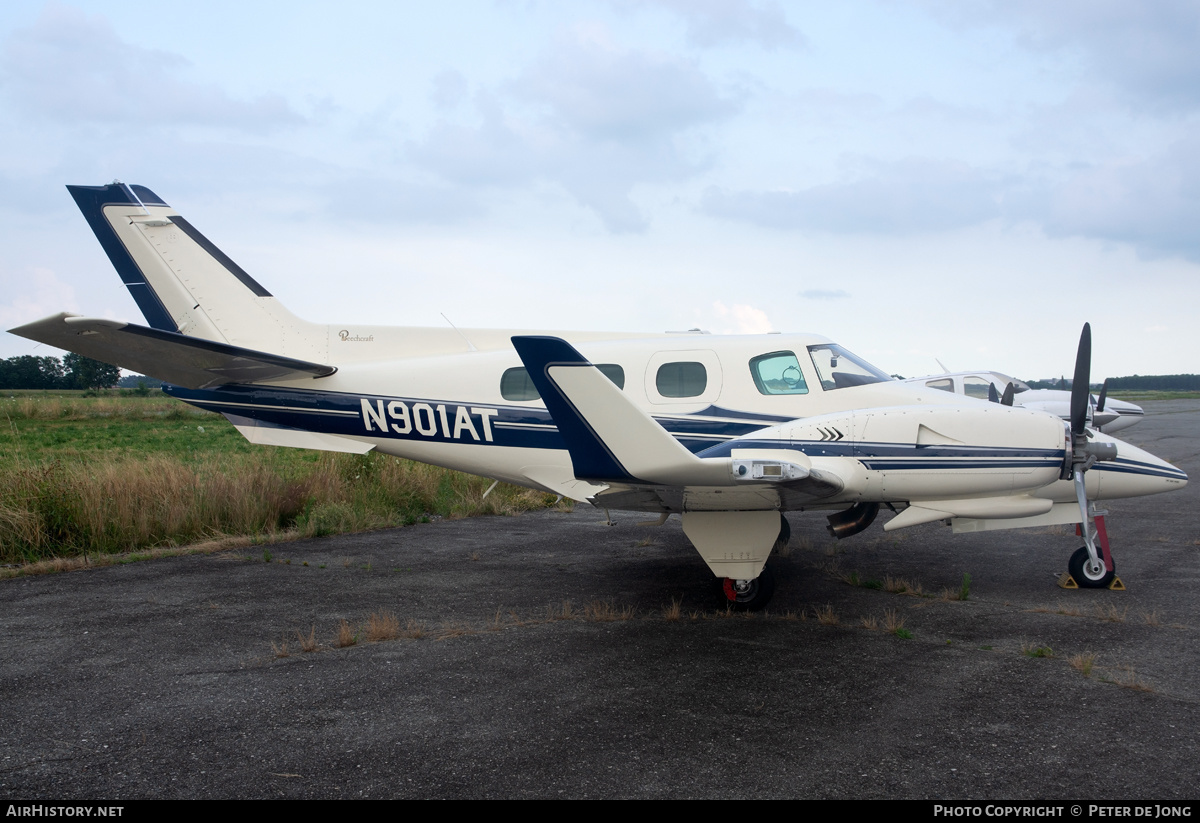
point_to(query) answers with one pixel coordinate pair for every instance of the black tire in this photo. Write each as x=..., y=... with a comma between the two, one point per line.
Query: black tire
x=1078, y=569
x=757, y=594
x=785, y=532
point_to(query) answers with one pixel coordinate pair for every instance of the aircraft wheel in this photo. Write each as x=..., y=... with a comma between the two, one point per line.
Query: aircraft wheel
x=785, y=532
x=1086, y=577
x=751, y=595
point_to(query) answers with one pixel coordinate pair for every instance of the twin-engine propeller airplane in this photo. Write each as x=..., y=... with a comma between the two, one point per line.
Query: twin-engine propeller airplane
x=1108, y=416
x=726, y=431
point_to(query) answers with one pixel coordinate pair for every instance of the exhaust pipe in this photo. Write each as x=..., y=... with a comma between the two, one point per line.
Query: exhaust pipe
x=853, y=520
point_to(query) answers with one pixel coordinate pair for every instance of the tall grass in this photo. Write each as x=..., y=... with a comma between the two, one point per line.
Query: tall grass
x=120, y=503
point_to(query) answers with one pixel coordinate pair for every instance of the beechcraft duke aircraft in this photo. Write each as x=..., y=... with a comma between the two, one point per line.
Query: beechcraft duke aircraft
x=726, y=431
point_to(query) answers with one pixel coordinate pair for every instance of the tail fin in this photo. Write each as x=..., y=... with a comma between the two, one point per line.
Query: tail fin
x=183, y=283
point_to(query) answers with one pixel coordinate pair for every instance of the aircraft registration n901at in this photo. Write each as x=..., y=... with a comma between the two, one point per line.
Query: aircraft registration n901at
x=728, y=432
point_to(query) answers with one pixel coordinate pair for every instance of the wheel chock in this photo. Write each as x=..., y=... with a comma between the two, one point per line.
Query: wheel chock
x=1065, y=581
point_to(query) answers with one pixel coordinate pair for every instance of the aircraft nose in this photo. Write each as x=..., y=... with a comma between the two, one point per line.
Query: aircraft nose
x=1136, y=473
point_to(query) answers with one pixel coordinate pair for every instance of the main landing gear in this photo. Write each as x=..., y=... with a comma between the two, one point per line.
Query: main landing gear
x=750, y=595
x=753, y=595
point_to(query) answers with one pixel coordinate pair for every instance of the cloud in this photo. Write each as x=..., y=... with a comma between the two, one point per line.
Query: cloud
x=825, y=294
x=36, y=294
x=599, y=90
x=1150, y=203
x=1146, y=50
x=902, y=197
x=719, y=22
x=71, y=67
x=594, y=118
x=745, y=319
x=449, y=89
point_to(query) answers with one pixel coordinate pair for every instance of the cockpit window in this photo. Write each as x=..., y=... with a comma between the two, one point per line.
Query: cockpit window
x=839, y=369
x=1018, y=385
x=778, y=373
x=941, y=384
x=976, y=387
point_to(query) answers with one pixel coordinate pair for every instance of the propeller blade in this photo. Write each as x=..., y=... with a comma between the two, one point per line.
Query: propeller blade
x=1080, y=391
x=993, y=397
x=1007, y=398
x=1103, y=395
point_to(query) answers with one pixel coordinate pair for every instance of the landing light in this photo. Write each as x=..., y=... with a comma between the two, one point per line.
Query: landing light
x=772, y=471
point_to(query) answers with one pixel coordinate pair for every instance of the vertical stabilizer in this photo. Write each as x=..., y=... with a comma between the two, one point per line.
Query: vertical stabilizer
x=183, y=283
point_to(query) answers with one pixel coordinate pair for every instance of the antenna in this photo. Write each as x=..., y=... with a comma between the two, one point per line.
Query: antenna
x=136, y=199
x=470, y=345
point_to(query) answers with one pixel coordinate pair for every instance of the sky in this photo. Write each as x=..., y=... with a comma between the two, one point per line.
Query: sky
x=961, y=180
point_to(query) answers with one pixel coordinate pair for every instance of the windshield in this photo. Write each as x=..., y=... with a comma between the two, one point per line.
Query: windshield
x=838, y=368
x=1018, y=385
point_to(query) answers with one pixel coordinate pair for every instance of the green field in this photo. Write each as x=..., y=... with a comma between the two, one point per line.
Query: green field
x=94, y=476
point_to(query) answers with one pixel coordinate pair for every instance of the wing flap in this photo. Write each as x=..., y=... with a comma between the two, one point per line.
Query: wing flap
x=174, y=358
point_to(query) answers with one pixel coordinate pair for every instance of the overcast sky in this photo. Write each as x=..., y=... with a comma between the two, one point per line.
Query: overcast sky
x=963, y=180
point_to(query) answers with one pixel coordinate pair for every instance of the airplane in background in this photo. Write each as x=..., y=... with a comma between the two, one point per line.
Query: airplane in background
x=728, y=432
x=1105, y=415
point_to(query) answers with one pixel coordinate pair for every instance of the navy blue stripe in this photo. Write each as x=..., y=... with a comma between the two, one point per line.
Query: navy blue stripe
x=91, y=201
x=867, y=449
x=338, y=413
x=220, y=256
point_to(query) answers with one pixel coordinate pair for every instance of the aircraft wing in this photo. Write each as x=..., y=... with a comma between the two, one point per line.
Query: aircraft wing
x=612, y=441
x=174, y=358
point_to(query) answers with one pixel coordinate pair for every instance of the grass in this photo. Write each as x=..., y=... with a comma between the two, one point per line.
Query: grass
x=1031, y=650
x=382, y=626
x=1110, y=613
x=1127, y=678
x=82, y=476
x=309, y=643
x=605, y=611
x=1083, y=662
x=825, y=615
x=346, y=636
x=674, y=611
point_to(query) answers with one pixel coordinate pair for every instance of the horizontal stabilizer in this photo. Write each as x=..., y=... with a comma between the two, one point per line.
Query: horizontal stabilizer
x=165, y=355
x=265, y=434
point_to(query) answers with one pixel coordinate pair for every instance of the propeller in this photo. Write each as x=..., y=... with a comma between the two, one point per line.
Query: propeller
x=1103, y=395
x=1006, y=399
x=993, y=395
x=1083, y=454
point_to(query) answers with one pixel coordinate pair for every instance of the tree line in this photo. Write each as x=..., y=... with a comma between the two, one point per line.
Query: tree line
x=74, y=371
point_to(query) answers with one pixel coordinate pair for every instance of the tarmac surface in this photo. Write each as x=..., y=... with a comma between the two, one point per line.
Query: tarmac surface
x=164, y=679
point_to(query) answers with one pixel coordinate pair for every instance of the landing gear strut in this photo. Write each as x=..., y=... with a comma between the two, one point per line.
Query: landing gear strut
x=785, y=532
x=750, y=595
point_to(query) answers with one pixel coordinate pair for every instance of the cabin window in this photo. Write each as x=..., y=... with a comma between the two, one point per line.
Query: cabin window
x=945, y=384
x=778, y=373
x=515, y=384
x=688, y=379
x=976, y=387
x=613, y=372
